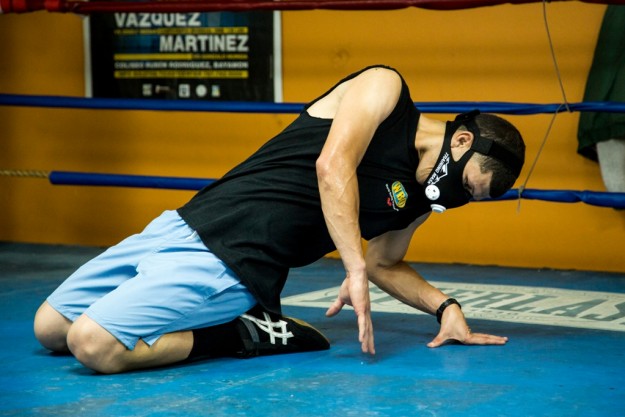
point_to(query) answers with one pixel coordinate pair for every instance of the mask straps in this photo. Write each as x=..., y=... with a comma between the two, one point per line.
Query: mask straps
x=489, y=147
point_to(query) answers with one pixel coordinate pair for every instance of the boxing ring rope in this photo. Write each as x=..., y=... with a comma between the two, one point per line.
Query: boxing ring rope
x=112, y=180
x=284, y=108
x=182, y=6
x=593, y=198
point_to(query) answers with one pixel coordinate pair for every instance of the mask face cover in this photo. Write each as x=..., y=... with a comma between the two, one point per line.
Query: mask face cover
x=445, y=185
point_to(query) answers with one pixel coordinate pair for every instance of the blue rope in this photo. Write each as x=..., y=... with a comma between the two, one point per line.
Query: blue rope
x=616, y=200
x=134, y=181
x=594, y=198
x=269, y=107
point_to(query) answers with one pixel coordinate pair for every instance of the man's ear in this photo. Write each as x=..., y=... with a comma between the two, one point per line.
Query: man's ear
x=462, y=139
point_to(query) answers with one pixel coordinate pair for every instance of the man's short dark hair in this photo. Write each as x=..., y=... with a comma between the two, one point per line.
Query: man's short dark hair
x=504, y=133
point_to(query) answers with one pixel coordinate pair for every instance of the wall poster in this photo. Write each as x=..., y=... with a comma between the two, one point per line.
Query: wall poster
x=233, y=56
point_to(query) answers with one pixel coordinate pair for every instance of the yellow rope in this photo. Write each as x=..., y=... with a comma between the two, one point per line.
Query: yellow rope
x=24, y=173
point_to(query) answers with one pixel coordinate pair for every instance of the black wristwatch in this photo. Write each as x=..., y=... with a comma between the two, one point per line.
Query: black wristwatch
x=446, y=303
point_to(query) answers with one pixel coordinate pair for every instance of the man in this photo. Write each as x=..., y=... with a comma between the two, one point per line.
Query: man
x=205, y=281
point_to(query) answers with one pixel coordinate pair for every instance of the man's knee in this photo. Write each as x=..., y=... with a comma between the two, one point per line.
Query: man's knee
x=94, y=347
x=51, y=328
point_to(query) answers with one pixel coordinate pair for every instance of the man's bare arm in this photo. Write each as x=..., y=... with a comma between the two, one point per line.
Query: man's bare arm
x=388, y=271
x=364, y=104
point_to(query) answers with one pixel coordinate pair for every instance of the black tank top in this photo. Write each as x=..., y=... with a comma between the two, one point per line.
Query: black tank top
x=264, y=216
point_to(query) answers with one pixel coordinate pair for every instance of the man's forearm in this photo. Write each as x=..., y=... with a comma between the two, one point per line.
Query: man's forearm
x=339, y=200
x=406, y=285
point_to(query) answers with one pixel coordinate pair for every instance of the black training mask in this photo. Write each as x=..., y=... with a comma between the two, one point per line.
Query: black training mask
x=445, y=186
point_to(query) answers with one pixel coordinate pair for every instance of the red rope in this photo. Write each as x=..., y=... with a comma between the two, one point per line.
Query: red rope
x=207, y=6
x=176, y=6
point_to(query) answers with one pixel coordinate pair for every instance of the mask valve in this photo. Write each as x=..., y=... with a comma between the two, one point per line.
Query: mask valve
x=437, y=208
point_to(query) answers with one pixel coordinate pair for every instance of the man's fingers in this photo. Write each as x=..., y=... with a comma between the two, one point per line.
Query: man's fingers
x=471, y=339
x=365, y=334
x=484, y=339
x=358, y=291
x=369, y=346
x=362, y=332
x=335, y=308
x=436, y=342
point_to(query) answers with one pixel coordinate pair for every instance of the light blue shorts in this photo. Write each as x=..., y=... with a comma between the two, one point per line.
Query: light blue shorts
x=160, y=281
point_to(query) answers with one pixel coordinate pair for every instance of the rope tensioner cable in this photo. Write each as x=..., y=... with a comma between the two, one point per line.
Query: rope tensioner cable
x=24, y=173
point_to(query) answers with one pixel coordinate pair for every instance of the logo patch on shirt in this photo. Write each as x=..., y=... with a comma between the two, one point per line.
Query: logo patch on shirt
x=398, y=194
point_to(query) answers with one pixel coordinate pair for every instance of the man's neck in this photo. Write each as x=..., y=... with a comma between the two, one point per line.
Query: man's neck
x=428, y=144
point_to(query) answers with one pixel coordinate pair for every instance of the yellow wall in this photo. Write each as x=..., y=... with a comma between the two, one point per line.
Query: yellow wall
x=488, y=54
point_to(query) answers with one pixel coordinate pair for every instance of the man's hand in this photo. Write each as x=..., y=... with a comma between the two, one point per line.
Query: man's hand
x=355, y=292
x=454, y=328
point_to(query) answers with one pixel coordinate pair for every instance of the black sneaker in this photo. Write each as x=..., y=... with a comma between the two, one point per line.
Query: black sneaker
x=265, y=333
